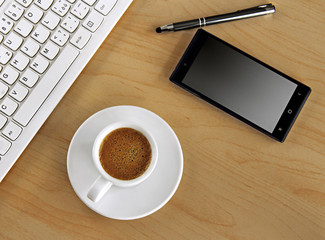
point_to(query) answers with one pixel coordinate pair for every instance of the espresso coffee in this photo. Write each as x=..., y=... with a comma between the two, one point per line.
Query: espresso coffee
x=125, y=153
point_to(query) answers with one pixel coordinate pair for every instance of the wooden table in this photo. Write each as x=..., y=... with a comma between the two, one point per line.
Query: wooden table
x=237, y=184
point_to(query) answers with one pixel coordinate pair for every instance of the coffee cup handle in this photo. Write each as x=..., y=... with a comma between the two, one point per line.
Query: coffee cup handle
x=98, y=189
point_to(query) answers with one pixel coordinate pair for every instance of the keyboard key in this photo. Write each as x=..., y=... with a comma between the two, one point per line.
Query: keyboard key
x=14, y=11
x=3, y=121
x=30, y=48
x=39, y=64
x=93, y=21
x=9, y=75
x=23, y=28
x=80, y=10
x=8, y=106
x=1, y=38
x=5, y=55
x=50, y=50
x=4, y=146
x=43, y=89
x=20, y=61
x=70, y=23
x=104, y=6
x=3, y=89
x=12, y=131
x=34, y=14
x=29, y=78
x=61, y=7
x=44, y=4
x=80, y=38
x=51, y=20
x=5, y=24
x=24, y=3
x=60, y=37
x=40, y=34
x=19, y=92
x=13, y=41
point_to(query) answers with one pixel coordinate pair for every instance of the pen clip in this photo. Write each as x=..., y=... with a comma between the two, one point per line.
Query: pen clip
x=265, y=5
x=268, y=6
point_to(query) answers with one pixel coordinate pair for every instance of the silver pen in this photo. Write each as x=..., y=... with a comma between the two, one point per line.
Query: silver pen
x=241, y=14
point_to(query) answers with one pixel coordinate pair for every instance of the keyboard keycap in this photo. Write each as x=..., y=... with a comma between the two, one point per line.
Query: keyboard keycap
x=30, y=48
x=13, y=41
x=44, y=4
x=9, y=75
x=12, y=131
x=60, y=37
x=93, y=21
x=70, y=23
x=5, y=24
x=29, y=78
x=61, y=7
x=80, y=10
x=43, y=89
x=14, y=11
x=5, y=55
x=24, y=3
x=40, y=34
x=8, y=106
x=4, y=146
x=80, y=38
x=39, y=64
x=50, y=50
x=23, y=28
x=20, y=61
x=104, y=6
x=51, y=20
x=19, y=92
x=34, y=14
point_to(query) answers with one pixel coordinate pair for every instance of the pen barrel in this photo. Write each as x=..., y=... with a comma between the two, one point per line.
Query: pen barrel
x=242, y=14
x=187, y=25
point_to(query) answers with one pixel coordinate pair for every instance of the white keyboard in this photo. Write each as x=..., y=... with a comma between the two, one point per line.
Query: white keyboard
x=44, y=45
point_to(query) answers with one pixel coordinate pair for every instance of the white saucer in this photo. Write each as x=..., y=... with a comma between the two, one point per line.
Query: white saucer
x=143, y=199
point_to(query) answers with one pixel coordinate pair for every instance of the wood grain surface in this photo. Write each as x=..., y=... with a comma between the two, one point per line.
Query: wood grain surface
x=238, y=184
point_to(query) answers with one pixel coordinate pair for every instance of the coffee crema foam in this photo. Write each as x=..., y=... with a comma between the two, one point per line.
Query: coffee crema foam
x=125, y=153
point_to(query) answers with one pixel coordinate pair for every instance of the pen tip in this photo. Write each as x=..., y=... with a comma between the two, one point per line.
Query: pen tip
x=158, y=30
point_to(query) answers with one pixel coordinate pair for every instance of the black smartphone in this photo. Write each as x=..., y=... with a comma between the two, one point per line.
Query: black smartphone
x=241, y=85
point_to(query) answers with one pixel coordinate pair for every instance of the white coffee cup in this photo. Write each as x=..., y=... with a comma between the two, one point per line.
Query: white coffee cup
x=104, y=181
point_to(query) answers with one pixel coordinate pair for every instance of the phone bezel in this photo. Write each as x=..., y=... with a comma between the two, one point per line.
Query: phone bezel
x=291, y=111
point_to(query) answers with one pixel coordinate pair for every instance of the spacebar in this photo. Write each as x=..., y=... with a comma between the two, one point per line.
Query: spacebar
x=50, y=79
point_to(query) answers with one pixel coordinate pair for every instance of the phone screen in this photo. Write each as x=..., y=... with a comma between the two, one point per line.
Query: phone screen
x=239, y=83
